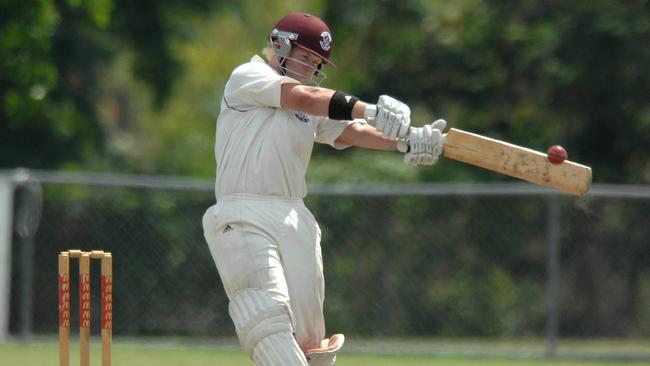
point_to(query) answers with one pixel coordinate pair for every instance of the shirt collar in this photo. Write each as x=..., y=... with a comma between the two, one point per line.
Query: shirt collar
x=257, y=58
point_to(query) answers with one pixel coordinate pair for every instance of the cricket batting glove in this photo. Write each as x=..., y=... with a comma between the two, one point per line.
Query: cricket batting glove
x=390, y=116
x=423, y=145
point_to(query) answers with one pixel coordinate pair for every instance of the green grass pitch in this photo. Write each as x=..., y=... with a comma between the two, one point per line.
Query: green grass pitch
x=408, y=353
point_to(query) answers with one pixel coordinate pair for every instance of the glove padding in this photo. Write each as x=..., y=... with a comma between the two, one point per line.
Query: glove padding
x=424, y=144
x=393, y=117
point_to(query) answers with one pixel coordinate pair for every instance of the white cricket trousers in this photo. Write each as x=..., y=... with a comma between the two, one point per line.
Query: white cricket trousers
x=270, y=245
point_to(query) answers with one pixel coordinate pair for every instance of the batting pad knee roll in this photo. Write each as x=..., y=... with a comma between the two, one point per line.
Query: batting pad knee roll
x=257, y=317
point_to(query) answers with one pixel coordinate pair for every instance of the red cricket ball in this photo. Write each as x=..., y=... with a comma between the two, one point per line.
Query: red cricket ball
x=556, y=154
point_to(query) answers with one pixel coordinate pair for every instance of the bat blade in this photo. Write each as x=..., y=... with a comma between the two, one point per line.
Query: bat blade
x=516, y=161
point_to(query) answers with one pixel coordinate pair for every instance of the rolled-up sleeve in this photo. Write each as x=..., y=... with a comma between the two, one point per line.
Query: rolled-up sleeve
x=255, y=84
x=329, y=130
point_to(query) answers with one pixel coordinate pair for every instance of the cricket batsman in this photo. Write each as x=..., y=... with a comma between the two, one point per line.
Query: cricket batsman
x=264, y=241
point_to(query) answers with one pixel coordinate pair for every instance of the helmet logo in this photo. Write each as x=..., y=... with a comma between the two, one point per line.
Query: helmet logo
x=325, y=41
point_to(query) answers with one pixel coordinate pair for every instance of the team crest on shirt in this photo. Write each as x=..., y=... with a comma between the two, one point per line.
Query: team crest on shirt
x=325, y=41
x=302, y=117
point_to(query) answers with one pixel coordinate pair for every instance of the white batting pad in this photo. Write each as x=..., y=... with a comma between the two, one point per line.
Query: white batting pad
x=279, y=349
x=325, y=355
x=264, y=329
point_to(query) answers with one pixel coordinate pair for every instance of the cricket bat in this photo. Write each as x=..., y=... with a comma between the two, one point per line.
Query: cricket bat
x=516, y=161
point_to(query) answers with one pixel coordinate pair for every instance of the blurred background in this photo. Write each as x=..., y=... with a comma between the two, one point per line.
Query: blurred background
x=107, y=122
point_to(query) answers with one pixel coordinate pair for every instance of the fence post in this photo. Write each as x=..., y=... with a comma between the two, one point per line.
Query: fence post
x=553, y=273
x=6, y=210
x=29, y=204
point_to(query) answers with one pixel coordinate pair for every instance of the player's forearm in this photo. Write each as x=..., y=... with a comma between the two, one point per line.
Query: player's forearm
x=358, y=109
x=314, y=100
x=308, y=99
x=366, y=136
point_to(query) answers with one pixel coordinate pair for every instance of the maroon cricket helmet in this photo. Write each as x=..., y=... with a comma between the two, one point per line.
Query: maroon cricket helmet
x=303, y=30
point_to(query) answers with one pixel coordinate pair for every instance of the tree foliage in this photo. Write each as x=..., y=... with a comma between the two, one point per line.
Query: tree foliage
x=535, y=73
x=123, y=85
x=54, y=57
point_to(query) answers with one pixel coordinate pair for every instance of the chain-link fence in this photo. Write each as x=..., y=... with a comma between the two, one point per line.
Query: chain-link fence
x=426, y=260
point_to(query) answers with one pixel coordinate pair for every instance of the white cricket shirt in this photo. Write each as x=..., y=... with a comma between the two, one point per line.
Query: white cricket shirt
x=261, y=148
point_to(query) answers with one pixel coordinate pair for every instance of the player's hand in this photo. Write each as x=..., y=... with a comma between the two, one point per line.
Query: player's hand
x=393, y=118
x=423, y=145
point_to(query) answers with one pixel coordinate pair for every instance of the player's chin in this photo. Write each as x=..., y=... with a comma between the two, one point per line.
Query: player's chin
x=298, y=77
x=306, y=81
x=305, y=77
